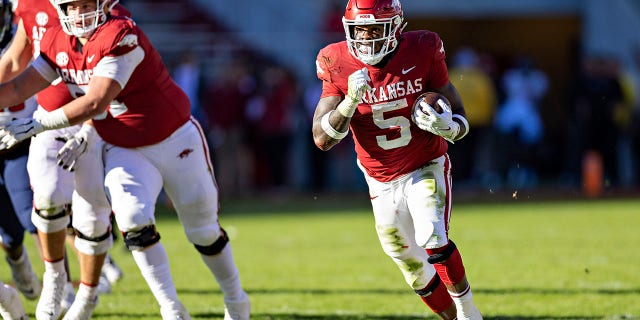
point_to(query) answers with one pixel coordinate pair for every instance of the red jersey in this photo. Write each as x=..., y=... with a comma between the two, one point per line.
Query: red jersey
x=387, y=143
x=150, y=107
x=37, y=16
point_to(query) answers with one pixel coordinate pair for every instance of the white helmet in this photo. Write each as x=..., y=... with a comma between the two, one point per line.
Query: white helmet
x=83, y=25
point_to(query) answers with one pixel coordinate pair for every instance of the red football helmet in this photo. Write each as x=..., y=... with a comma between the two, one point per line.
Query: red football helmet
x=386, y=13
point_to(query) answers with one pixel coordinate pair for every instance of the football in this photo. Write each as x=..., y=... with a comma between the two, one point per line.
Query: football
x=431, y=98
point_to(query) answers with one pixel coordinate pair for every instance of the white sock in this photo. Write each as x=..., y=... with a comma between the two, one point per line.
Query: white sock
x=55, y=267
x=87, y=292
x=464, y=301
x=154, y=266
x=226, y=273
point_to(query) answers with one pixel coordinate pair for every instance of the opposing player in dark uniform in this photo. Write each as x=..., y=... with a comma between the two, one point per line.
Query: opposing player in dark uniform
x=141, y=137
x=15, y=200
x=370, y=83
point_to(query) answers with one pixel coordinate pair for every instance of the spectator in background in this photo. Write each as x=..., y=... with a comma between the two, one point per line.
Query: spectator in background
x=625, y=118
x=269, y=114
x=518, y=123
x=318, y=159
x=634, y=126
x=478, y=93
x=224, y=105
x=187, y=75
x=596, y=93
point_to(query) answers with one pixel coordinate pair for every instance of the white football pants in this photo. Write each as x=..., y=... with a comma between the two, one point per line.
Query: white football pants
x=412, y=214
x=134, y=177
x=52, y=186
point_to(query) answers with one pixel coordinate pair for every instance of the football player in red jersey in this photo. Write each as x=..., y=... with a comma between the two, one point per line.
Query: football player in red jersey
x=141, y=137
x=370, y=82
x=52, y=186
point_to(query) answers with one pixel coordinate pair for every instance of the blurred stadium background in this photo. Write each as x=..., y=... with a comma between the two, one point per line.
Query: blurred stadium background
x=255, y=88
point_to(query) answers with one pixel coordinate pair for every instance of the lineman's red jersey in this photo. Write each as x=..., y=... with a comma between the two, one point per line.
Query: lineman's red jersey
x=387, y=143
x=37, y=16
x=150, y=106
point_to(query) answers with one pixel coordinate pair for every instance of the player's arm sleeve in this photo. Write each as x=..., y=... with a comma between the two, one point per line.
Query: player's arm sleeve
x=119, y=68
x=44, y=68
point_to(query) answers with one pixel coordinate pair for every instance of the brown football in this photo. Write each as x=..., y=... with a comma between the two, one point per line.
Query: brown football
x=431, y=98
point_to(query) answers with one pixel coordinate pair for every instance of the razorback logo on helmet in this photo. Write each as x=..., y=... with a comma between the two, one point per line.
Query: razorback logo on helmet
x=130, y=40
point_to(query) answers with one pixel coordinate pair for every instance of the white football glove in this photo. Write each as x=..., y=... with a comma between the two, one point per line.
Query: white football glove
x=440, y=124
x=17, y=130
x=75, y=146
x=357, y=86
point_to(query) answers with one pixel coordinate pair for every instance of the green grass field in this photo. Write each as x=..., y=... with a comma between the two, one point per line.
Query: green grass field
x=320, y=259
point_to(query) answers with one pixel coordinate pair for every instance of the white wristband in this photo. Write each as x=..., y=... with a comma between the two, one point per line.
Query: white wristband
x=347, y=107
x=465, y=123
x=331, y=131
x=55, y=119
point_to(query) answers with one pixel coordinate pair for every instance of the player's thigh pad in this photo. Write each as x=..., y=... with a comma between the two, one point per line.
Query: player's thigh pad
x=133, y=184
x=395, y=229
x=189, y=182
x=396, y=234
x=52, y=186
x=393, y=222
x=89, y=181
x=428, y=199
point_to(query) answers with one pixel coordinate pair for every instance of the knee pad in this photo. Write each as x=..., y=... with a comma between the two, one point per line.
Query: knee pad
x=70, y=230
x=216, y=247
x=204, y=234
x=51, y=220
x=430, y=288
x=93, y=245
x=448, y=263
x=142, y=238
x=442, y=254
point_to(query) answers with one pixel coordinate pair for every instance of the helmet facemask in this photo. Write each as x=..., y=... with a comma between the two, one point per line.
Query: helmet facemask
x=82, y=25
x=371, y=51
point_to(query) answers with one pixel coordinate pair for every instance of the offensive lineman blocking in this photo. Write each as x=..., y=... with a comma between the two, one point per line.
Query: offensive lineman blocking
x=146, y=140
x=370, y=83
x=52, y=186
